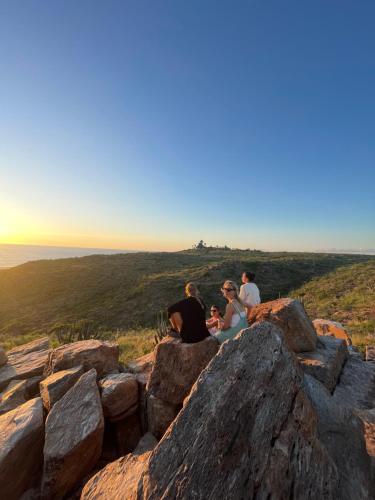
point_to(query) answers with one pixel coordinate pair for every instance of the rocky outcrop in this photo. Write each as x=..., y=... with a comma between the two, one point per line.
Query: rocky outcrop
x=22, y=366
x=74, y=435
x=119, y=394
x=141, y=368
x=41, y=344
x=103, y=356
x=330, y=328
x=177, y=366
x=14, y=395
x=119, y=480
x=368, y=420
x=144, y=364
x=326, y=362
x=160, y=415
x=291, y=317
x=3, y=357
x=56, y=385
x=356, y=387
x=341, y=432
x=21, y=448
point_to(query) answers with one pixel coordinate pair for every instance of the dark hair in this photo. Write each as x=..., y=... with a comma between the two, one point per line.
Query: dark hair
x=249, y=276
x=216, y=307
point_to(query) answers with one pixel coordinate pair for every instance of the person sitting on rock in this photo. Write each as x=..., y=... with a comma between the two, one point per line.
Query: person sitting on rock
x=235, y=318
x=249, y=292
x=188, y=316
x=214, y=323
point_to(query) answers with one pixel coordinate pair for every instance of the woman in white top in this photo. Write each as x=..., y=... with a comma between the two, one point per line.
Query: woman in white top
x=249, y=292
x=235, y=314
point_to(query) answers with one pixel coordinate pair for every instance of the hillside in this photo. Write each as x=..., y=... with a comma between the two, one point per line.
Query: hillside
x=128, y=290
x=346, y=295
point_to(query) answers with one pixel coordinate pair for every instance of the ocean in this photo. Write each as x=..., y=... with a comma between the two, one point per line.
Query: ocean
x=14, y=255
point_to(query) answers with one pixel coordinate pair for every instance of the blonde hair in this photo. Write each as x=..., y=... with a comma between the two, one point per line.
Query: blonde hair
x=191, y=290
x=232, y=284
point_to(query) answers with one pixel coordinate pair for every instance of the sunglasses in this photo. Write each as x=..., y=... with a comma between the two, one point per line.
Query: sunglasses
x=227, y=289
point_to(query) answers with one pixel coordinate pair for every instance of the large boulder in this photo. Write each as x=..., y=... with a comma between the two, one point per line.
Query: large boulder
x=177, y=366
x=119, y=394
x=356, y=387
x=160, y=415
x=341, y=432
x=21, y=448
x=3, y=357
x=291, y=317
x=56, y=385
x=247, y=430
x=74, y=436
x=144, y=364
x=142, y=368
x=103, y=356
x=330, y=328
x=22, y=366
x=14, y=395
x=41, y=344
x=119, y=480
x=326, y=362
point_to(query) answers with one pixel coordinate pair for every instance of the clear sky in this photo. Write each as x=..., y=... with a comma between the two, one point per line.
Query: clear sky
x=152, y=125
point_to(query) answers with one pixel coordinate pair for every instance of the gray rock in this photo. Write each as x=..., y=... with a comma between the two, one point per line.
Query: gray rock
x=370, y=353
x=119, y=394
x=341, y=432
x=3, y=357
x=143, y=364
x=291, y=317
x=56, y=385
x=160, y=415
x=74, y=437
x=21, y=448
x=356, y=387
x=177, y=366
x=326, y=362
x=247, y=430
x=103, y=356
x=22, y=366
x=14, y=395
x=119, y=479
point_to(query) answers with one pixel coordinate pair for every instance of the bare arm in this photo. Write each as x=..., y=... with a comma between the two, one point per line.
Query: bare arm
x=229, y=310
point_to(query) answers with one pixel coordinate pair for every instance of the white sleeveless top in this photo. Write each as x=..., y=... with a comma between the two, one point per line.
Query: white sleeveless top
x=237, y=316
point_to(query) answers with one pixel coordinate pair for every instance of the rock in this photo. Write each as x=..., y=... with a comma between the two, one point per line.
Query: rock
x=21, y=448
x=332, y=329
x=370, y=353
x=56, y=385
x=341, y=432
x=103, y=356
x=177, y=366
x=128, y=432
x=143, y=364
x=14, y=395
x=368, y=419
x=22, y=366
x=325, y=363
x=119, y=394
x=247, y=430
x=356, y=387
x=291, y=317
x=36, y=345
x=74, y=435
x=119, y=480
x=3, y=357
x=160, y=415
x=142, y=368
x=32, y=386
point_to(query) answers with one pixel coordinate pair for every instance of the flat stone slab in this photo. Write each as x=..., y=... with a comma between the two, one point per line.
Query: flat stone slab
x=22, y=366
x=14, y=395
x=326, y=362
x=119, y=394
x=41, y=344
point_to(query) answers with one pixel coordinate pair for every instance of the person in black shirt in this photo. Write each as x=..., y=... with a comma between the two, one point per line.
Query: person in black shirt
x=188, y=316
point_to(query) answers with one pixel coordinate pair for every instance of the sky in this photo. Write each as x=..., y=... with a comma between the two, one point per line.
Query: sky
x=154, y=124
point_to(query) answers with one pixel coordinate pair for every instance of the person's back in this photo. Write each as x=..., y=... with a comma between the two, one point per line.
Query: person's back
x=250, y=295
x=192, y=312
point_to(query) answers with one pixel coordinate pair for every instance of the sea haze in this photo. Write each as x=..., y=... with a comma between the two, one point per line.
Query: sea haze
x=13, y=255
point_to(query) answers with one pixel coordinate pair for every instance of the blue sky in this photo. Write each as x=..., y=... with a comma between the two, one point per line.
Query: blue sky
x=151, y=125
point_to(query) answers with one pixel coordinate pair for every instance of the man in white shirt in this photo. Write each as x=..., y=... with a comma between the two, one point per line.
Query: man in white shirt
x=249, y=292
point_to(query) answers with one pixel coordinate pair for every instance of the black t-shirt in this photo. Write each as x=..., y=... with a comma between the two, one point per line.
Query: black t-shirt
x=193, y=319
